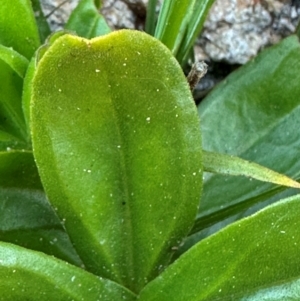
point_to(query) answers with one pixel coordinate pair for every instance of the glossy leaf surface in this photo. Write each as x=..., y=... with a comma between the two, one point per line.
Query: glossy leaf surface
x=18, y=27
x=254, y=114
x=87, y=21
x=253, y=259
x=30, y=275
x=26, y=218
x=118, y=149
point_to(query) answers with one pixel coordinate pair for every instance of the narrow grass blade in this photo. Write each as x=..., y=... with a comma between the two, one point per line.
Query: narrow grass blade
x=172, y=22
x=195, y=23
x=235, y=166
x=151, y=17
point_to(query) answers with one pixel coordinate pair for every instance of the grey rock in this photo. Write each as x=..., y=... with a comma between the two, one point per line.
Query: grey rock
x=236, y=30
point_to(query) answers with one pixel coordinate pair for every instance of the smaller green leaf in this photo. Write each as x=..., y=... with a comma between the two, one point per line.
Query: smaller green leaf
x=15, y=60
x=30, y=275
x=26, y=217
x=235, y=166
x=208, y=224
x=11, y=115
x=26, y=95
x=248, y=259
x=86, y=20
x=18, y=27
x=215, y=217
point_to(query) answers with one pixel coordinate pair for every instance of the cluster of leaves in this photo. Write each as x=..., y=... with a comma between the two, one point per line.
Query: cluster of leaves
x=118, y=154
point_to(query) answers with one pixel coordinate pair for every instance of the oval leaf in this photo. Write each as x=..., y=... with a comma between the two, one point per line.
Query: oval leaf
x=121, y=159
x=252, y=257
x=30, y=275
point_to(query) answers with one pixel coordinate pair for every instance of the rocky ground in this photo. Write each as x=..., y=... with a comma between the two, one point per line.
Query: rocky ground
x=234, y=32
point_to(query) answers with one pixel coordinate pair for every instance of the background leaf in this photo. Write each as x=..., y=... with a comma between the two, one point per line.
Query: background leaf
x=41, y=20
x=18, y=28
x=87, y=21
x=253, y=114
x=121, y=160
x=26, y=218
x=29, y=275
x=13, y=133
x=250, y=259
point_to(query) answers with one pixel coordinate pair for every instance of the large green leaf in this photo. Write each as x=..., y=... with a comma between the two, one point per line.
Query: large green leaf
x=18, y=28
x=26, y=218
x=30, y=275
x=87, y=21
x=115, y=138
x=253, y=259
x=254, y=114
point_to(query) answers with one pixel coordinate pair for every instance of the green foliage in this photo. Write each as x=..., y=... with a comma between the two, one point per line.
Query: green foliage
x=261, y=102
x=128, y=155
x=29, y=275
x=86, y=21
x=239, y=262
x=42, y=24
x=178, y=25
x=18, y=28
x=235, y=166
x=101, y=163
